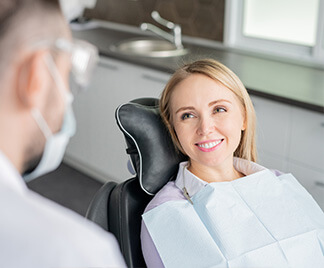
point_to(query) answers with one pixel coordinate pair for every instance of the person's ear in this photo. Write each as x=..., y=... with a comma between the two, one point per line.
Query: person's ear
x=244, y=122
x=244, y=125
x=31, y=79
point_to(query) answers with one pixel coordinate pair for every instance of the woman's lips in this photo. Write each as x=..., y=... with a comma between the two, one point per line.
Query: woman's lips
x=208, y=146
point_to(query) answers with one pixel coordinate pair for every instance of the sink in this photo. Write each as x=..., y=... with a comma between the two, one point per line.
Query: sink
x=148, y=48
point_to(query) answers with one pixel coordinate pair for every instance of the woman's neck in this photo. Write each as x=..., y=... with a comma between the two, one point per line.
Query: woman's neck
x=221, y=173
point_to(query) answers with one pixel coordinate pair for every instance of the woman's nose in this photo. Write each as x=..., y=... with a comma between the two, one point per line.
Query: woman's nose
x=206, y=126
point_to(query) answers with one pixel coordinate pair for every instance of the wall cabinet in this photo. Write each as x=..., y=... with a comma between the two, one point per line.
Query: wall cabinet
x=98, y=148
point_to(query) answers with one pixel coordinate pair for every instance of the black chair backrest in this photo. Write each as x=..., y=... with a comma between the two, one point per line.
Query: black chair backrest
x=118, y=208
x=126, y=205
x=98, y=208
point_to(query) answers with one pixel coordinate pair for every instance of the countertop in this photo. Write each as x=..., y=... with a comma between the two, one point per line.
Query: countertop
x=290, y=83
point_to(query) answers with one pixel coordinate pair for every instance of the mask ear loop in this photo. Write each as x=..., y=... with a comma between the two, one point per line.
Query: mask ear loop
x=66, y=95
x=41, y=123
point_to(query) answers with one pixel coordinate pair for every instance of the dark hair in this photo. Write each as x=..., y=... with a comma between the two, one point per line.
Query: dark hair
x=24, y=20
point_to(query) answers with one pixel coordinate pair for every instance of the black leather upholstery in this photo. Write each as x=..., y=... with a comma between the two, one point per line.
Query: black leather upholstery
x=97, y=211
x=127, y=204
x=150, y=146
x=155, y=161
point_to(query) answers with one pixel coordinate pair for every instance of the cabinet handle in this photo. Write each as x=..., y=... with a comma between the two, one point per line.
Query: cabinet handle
x=319, y=183
x=155, y=79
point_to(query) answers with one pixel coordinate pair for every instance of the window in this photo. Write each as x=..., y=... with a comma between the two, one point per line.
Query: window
x=286, y=28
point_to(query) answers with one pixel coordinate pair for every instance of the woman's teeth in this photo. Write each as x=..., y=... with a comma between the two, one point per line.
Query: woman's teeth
x=209, y=144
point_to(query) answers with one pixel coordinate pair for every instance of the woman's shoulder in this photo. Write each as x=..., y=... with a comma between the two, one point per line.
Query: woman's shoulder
x=170, y=192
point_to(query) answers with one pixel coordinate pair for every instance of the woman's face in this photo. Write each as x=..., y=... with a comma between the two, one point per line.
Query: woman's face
x=208, y=120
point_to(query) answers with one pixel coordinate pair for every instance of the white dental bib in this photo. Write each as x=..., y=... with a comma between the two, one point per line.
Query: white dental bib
x=260, y=220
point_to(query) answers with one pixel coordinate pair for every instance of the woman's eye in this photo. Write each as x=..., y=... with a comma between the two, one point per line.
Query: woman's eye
x=186, y=116
x=219, y=110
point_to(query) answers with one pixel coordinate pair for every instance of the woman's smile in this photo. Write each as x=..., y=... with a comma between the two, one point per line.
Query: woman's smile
x=209, y=146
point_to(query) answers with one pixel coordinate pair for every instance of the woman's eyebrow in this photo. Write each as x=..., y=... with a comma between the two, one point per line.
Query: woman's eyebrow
x=193, y=108
x=185, y=108
x=217, y=101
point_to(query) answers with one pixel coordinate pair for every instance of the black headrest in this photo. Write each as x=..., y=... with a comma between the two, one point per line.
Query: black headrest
x=149, y=144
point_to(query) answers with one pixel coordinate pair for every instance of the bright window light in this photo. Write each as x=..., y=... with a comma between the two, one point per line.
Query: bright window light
x=291, y=21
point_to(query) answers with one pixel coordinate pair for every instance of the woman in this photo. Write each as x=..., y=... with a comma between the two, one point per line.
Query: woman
x=223, y=209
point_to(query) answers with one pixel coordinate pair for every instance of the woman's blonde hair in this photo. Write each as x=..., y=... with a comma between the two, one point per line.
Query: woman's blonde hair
x=220, y=73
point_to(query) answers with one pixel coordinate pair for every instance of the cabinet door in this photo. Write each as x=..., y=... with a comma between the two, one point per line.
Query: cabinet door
x=311, y=179
x=98, y=148
x=307, y=138
x=273, y=161
x=273, y=129
x=150, y=82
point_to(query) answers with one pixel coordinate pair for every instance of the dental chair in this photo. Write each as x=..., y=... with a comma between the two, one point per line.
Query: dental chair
x=117, y=208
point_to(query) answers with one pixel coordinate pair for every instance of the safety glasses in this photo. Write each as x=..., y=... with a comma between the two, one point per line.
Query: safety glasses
x=84, y=59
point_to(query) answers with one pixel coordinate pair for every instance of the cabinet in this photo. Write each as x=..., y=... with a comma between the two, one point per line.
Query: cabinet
x=98, y=148
x=312, y=179
x=308, y=138
x=273, y=132
x=291, y=140
x=306, y=152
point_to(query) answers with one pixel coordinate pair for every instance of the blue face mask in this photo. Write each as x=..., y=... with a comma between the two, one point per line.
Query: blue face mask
x=55, y=143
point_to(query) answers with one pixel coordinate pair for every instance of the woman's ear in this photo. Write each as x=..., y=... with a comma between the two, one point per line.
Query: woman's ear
x=244, y=122
x=244, y=125
x=31, y=79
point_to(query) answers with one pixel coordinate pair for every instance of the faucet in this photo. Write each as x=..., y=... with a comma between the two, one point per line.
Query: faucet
x=174, y=37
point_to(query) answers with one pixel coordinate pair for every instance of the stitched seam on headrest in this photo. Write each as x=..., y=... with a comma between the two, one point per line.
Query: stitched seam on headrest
x=139, y=152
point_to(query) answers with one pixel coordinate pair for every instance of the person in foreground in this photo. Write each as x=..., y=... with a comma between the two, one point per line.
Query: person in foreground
x=36, y=119
x=223, y=209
